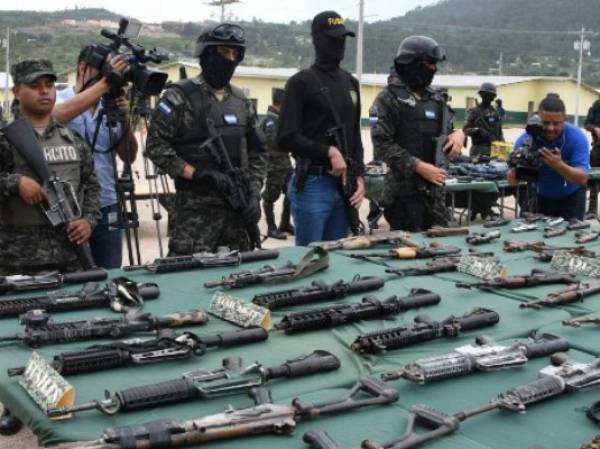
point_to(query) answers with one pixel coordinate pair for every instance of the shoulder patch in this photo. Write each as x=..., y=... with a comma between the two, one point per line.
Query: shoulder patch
x=165, y=107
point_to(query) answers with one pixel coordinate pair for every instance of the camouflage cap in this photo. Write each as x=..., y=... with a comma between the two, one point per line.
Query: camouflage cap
x=29, y=70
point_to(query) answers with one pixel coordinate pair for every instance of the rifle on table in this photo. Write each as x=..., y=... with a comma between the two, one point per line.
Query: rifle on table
x=22, y=283
x=496, y=222
x=367, y=241
x=578, y=322
x=41, y=330
x=437, y=265
x=222, y=258
x=62, y=204
x=369, y=308
x=264, y=417
x=165, y=347
x=537, y=277
x=564, y=376
x=570, y=294
x=544, y=252
x=440, y=231
x=483, y=237
x=120, y=294
x=423, y=329
x=486, y=355
x=317, y=291
x=554, y=231
x=202, y=383
x=316, y=259
x=434, y=249
x=576, y=225
x=582, y=237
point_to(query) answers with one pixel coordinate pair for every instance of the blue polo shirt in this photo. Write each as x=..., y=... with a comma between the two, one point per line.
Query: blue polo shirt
x=575, y=151
x=85, y=125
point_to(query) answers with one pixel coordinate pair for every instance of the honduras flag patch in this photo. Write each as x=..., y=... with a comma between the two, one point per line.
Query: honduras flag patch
x=165, y=107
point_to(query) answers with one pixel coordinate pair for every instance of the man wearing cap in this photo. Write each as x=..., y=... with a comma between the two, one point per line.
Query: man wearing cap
x=406, y=121
x=28, y=242
x=483, y=124
x=320, y=126
x=177, y=139
x=279, y=171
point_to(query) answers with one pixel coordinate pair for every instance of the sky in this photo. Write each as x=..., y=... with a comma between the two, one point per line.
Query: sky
x=196, y=10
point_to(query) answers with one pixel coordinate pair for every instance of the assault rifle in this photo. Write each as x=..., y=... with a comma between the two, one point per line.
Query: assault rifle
x=22, y=283
x=41, y=330
x=62, y=203
x=440, y=156
x=439, y=231
x=264, y=417
x=165, y=347
x=367, y=241
x=369, y=308
x=571, y=294
x=222, y=258
x=317, y=291
x=423, y=329
x=202, y=383
x=437, y=265
x=554, y=231
x=121, y=294
x=577, y=225
x=563, y=376
x=315, y=260
x=434, y=249
x=577, y=322
x=500, y=221
x=582, y=237
x=483, y=237
x=544, y=252
x=537, y=277
x=485, y=355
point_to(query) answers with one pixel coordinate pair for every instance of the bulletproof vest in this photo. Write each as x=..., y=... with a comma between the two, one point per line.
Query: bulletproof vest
x=230, y=118
x=421, y=122
x=490, y=120
x=64, y=162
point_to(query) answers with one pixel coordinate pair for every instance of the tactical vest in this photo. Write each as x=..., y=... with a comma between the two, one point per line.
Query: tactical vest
x=230, y=118
x=490, y=120
x=64, y=162
x=421, y=122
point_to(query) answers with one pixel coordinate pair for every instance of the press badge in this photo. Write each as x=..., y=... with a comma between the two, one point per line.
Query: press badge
x=230, y=119
x=430, y=115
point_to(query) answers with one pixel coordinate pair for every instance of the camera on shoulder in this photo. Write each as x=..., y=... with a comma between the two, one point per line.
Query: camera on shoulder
x=526, y=159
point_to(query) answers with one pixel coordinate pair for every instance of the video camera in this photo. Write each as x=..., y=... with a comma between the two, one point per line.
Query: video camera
x=147, y=81
x=526, y=159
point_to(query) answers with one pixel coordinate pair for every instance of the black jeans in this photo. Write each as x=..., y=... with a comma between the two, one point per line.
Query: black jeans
x=570, y=206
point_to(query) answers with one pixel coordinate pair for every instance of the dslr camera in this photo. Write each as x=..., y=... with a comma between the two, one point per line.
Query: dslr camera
x=145, y=80
x=526, y=159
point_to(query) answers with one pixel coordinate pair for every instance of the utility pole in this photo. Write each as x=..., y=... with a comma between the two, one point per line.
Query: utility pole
x=580, y=45
x=500, y=64
x=359, y=41
x=222, y=4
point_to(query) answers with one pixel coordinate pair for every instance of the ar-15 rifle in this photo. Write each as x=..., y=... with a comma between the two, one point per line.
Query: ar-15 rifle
x=317, y=291
x=486, y=355
x=537, y=277
x=483, y=237
x=577, y=322
x=315, y=260
x=582, y=237
x=424, y=329
x=435, y=249
x=367, y=241
x=554, y=231
x=264, y=417
x=202, y=383
x=41, y=330
x=500, y=221
x=62, y=203
x=165, y=347
x=564, y=376
x=22, y=283
x=437, y=265
x=568, y=295
x=439, y=231
x=222, y=258
x=121, y=294
x=369, y=308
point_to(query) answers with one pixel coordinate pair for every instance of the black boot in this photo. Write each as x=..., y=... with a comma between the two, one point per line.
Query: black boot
x=271, y=227
x=9, y=425
x=284, y=224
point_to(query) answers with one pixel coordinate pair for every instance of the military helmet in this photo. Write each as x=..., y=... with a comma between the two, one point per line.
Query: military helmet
x=227, y=34
x=419, y=47
x=490, y=88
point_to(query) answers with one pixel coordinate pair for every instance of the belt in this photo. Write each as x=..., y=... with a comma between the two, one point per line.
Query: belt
x=317, y=170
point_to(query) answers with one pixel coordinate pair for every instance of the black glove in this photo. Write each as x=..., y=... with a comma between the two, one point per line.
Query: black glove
x=252, y=212
x=483, y=134
x=222, y=183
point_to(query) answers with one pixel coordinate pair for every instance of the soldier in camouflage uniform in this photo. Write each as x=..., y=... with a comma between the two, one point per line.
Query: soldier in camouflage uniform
x=279, y=171
x=177, y=132
x=592, y=124
x=406, y=119
x=483, y=124
x=28, y=243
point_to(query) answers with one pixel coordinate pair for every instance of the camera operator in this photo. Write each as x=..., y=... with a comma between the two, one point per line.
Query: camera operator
x=564, y=162
x=79, y=108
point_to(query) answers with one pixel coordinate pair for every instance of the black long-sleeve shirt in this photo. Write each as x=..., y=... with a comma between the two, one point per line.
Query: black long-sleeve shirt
x=306, y=116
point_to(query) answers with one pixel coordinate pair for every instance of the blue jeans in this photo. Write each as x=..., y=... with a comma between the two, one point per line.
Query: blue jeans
x=107, y=239
x=570, y=206
x=319, y=210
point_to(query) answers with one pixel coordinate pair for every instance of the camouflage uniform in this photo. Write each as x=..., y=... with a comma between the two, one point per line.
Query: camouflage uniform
x=592, y=121
x=411, y=203
x=279, y=170
x=31, y=249
x=204, y=219
x=484, y=126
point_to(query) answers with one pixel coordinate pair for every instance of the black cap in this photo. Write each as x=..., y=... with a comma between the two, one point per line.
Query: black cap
x=331, y=24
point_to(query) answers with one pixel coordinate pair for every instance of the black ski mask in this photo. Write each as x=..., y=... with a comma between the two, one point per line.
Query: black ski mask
x=416, y=75
x=486, y=98
x=216, y=69
x=329, y=50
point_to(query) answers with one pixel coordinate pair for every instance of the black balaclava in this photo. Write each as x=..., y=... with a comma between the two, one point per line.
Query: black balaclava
x=486, y=98
x=329, y=50
x=216, y=69
x=416, y=75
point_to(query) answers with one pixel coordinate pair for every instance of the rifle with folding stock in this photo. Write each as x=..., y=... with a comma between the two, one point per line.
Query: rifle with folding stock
x=573, y=293
x=537, y=277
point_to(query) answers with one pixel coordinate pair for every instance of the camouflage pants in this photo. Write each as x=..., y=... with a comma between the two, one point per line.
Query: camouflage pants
x=202, y=225
x=275, y=185
x=417, y=212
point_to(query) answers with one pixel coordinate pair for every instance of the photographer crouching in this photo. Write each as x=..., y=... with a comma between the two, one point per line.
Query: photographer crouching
x=554, y=155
